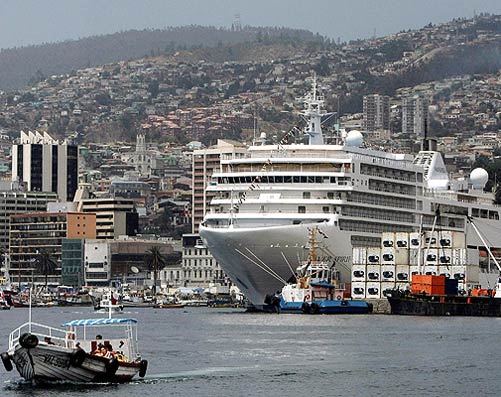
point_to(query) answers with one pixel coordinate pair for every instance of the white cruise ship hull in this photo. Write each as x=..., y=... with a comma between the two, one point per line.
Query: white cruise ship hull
x=260, y=260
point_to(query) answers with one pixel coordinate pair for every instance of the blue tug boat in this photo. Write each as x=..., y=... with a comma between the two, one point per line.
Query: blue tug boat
x=316, y=290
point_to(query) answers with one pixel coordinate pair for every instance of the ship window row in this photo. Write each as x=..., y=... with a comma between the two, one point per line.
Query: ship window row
x=391, y=173
x=375, y=213
x=443, y=221
x=289, y=167
x=282, y=179
x=390, y=187
x=367, y=227
x=385, y=201
x=483, y=213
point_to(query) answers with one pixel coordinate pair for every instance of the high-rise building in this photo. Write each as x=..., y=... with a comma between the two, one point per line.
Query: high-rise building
x=45, y=164
x=376, y=113
x=205, y=163
x=414, y=112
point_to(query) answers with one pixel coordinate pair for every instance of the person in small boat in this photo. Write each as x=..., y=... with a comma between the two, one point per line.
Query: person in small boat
x=99, y=337
x=48, y=340
x=109, y=352
x=276, y=302
x=99, y=351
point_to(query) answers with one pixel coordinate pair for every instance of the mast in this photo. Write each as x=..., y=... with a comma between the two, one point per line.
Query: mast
x=313, y=113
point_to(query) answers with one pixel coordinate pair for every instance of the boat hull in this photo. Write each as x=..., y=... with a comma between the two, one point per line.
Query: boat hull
x=435, y=305
x=53, y=363
x=327, y=307
x=253, y=257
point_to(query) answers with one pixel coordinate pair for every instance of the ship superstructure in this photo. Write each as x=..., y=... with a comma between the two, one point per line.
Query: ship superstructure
x=264, y=202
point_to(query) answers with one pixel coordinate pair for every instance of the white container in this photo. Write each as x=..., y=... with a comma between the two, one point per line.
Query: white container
x=431, y=270
x=388, y=240
x=459, y=273
x=373, y=291
x=458, y=240
x=431, y=257
x=473, y=257
x=402, y=286
x=402, y=240
x=358, y=273
x=414, y=256
x=373, y=256
x=388, y=256
x=445, y=257
x=359, y=256
x=358, y=290
x=387, y=285
x=402, y=256
x=472, y=274
x=373, y=273
x=445, y=271
x=458, y=256
x=414, y=240
x=402, y=273
x=445, y=239
x=430, y=239
x=388, y=273
x=414, y=270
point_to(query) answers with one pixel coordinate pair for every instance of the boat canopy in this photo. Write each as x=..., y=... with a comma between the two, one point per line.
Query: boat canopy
x=324, y=284
x=98, y=321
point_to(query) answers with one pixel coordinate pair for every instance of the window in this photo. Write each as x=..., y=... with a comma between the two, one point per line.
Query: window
x=301, y=209
x=306, y=195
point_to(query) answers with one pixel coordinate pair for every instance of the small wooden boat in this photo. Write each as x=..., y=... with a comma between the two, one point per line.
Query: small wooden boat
x=42, y=353
x=169, y=306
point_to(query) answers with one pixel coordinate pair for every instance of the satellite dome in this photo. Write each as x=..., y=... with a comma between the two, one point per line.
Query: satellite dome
x=354, y=138
x=479, y=178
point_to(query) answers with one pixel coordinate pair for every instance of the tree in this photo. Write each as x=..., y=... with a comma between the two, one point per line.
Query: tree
x=154, y=260
x=45, y=264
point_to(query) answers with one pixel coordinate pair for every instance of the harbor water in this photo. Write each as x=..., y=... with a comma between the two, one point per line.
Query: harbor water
x=227, y=352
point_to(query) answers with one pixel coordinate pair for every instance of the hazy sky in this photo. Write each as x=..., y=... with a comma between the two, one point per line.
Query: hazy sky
x=24, y=22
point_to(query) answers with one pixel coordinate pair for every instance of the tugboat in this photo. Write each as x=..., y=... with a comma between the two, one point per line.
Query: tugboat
x=42, y=353
x=316, y=290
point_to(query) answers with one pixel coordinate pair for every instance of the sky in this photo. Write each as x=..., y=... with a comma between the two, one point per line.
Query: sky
x=26, y=22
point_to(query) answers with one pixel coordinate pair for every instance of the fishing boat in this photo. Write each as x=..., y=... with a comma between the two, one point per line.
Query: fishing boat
x=316, y=290
x=43, y=353
x=106, y=301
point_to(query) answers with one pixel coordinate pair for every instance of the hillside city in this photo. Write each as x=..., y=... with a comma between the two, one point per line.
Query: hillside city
x=140, y=126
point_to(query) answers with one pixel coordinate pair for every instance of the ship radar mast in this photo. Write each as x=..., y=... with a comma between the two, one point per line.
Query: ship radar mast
x=313, y=113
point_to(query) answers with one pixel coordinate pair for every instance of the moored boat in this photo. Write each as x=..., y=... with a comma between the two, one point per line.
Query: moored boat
x=316, y=290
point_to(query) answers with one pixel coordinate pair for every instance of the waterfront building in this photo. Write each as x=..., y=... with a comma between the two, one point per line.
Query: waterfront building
x=45, y=164
x=114, y=216
x=34, y=233
x=205, y=162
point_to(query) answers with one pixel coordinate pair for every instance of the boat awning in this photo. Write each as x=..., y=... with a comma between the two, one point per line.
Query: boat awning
x=98, y=321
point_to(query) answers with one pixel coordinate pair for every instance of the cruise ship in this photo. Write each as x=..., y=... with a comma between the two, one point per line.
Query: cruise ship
x=267, y=200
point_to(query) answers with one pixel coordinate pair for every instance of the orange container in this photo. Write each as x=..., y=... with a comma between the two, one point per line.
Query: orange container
x=428, y=280
x=428, y=289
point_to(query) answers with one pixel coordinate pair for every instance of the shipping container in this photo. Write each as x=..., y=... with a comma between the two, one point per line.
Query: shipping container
x=373, y=255
x=388, y=240
x=451, y=286
x=402, y=273
x=402, y=256
x=358, y=272
x=445, y=271
x=387, y=285
x=403, y=286
x=445, y=256
x=430, y=270
x=445, y=239
x=373, y=273
x=458, y=240
x=428, y=279
x=414, y=269
x=402, y=240
x=373, y=290
x=458, y=256
x=430, y=239
x=388, y=272
x=472, y=257
x=388, y=256
x=428, y=289
x=360, y=255
x=358, y=290
x=431, y=256
x=414, y=256
x=415, y=240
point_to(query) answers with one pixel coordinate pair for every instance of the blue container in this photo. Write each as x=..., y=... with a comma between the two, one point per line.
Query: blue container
x=451, y=286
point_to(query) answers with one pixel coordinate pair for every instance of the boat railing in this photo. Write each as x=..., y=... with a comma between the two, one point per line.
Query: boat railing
x=56, y=335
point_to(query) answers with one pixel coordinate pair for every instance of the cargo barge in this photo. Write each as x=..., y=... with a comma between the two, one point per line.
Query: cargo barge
x=439, y=296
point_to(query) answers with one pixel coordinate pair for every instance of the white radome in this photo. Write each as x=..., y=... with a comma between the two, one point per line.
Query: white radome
x=479, y=178
x=354, y=138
